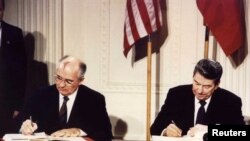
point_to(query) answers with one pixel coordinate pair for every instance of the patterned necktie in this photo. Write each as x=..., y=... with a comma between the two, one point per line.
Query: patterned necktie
x=201, y=113
x=63, y=112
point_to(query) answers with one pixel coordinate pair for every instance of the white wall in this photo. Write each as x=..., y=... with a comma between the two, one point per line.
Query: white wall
x=93, y=31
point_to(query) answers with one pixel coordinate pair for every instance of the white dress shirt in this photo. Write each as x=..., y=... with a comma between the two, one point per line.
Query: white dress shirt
x=70, y=102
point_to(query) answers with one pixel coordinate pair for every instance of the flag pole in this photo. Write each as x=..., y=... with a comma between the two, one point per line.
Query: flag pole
x=149, y=61
x=206, y=46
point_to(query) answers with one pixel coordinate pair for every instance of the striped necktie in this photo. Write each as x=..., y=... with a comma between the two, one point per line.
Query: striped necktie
x=63, y=112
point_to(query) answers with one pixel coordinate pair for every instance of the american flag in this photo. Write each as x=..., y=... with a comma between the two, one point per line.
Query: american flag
x=142, y=17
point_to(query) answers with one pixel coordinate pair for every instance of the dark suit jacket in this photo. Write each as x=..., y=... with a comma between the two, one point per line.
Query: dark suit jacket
x=224, y=108
x=88, y=112
x=12, y=73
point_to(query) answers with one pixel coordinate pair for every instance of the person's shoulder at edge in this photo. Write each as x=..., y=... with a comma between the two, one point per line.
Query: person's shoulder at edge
x=225, y=93
x=89, y=90
x=5, y=24
x=184, y=86
x=42, y=92
x=181, y=88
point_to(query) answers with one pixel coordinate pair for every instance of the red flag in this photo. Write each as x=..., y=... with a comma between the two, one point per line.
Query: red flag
x=226, y=21
x=142, y=18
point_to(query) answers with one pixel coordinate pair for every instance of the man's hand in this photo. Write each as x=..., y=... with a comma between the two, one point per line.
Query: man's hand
x=172, y=131
x=197, y=130
x=70, y=132
x=28, y=127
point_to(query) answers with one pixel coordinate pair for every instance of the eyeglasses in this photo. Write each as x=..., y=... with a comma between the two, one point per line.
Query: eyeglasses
x=59, y=79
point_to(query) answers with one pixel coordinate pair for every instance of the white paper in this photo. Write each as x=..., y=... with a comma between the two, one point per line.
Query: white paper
x=184, y=138
x=38, y=137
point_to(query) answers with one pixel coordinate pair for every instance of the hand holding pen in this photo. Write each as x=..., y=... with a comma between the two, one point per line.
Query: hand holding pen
x=28, y=127
x=172, y=130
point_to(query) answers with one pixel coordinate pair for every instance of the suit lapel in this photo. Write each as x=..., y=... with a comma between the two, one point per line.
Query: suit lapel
x=191, y=107
x=212, y=107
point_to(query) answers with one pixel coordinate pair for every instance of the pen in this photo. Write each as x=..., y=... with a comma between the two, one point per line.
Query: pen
x=179, y=131
x=31, y=121
x=173, y=122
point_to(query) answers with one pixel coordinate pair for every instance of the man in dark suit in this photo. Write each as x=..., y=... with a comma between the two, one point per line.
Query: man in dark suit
x=180, y=113
x=12, y=72
x=86, y=108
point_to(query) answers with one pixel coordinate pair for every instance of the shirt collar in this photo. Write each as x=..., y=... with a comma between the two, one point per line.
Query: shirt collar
x=71, y=96
x=207, y=100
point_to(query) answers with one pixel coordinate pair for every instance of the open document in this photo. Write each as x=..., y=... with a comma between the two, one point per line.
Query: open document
x=184, y=138
x=198, y=136
x=39, y=137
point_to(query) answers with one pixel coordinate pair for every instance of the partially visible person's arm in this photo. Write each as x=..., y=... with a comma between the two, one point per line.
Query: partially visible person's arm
x=165, y=116
x=236, y=112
